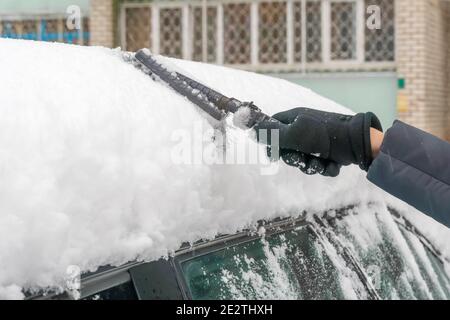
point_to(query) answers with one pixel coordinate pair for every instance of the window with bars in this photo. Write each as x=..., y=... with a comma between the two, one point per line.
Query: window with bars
x=272, y=28
x=171, y=32
x=343, y=31
x=264, y=35
x=204, y=38
x=44, y=28
x=237, y=33
x=380, y=44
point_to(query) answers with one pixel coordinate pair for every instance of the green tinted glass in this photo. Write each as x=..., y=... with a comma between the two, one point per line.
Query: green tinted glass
x=289, y=265
x=399, y=264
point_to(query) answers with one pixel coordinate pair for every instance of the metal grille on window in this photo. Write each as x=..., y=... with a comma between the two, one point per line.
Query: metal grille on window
x=211, y=34
x=11, y=29
x=137, y=23
x=237, y=33
x=343, y=31
x=345, y=38
x=49, y=30
x=313, y=24
x=197, y=34
x=313, y=31
x=70, y=35
x=272, y=30
x=171, y=43
x=29, y=30
x=380, y=43
x=297, y=25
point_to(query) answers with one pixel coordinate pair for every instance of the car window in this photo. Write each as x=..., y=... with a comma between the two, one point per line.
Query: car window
x=156, y=280
x=399, y=265
x=294, y=264
x=123, y=291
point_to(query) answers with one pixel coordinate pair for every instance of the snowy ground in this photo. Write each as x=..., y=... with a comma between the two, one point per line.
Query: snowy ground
x=86, y=171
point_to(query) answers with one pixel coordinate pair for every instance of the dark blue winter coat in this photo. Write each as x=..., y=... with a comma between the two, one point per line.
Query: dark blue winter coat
x=414, y=166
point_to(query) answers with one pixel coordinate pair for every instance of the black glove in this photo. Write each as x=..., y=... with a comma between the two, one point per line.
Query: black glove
x=321, y=142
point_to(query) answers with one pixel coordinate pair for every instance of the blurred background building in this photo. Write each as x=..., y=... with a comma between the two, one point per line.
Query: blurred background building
x=43, y=20
x=398, y=69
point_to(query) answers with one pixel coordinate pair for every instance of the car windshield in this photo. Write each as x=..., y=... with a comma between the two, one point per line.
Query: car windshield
x=293, y=264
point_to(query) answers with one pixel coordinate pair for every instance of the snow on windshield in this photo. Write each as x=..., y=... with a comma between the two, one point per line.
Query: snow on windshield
x=87, y=176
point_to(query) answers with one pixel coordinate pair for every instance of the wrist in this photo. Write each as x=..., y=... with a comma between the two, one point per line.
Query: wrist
x=361, y=126
x=376, y=139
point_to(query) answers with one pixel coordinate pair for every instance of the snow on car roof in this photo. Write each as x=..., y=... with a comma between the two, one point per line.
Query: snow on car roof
x=93, y=171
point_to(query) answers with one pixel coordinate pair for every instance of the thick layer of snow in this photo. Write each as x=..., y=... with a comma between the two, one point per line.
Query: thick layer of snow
x=87, y=175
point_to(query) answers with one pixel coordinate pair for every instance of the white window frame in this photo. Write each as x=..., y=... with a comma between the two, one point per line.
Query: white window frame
x=327, y=64
x=219, y=28
x=326, y=32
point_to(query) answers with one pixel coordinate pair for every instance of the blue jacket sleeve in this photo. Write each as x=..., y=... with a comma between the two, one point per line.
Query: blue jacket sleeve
x=414, y=166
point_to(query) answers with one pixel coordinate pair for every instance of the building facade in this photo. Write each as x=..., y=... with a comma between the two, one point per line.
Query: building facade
x=399, y=70
x=45, y=20
x=423, y=60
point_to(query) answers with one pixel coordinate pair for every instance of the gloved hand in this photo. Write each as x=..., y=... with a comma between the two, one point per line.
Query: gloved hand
x=321, y=142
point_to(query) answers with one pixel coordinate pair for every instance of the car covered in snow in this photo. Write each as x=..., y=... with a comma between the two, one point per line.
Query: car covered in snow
x=110, y=173
x=290, y=259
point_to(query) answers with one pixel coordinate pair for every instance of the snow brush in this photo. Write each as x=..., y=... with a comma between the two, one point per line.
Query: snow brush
x=212, y=102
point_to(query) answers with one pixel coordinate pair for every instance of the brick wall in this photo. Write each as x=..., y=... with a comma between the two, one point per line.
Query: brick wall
x=448, y=69
x=101, y=20
x=436, y=115
x=422, y=59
